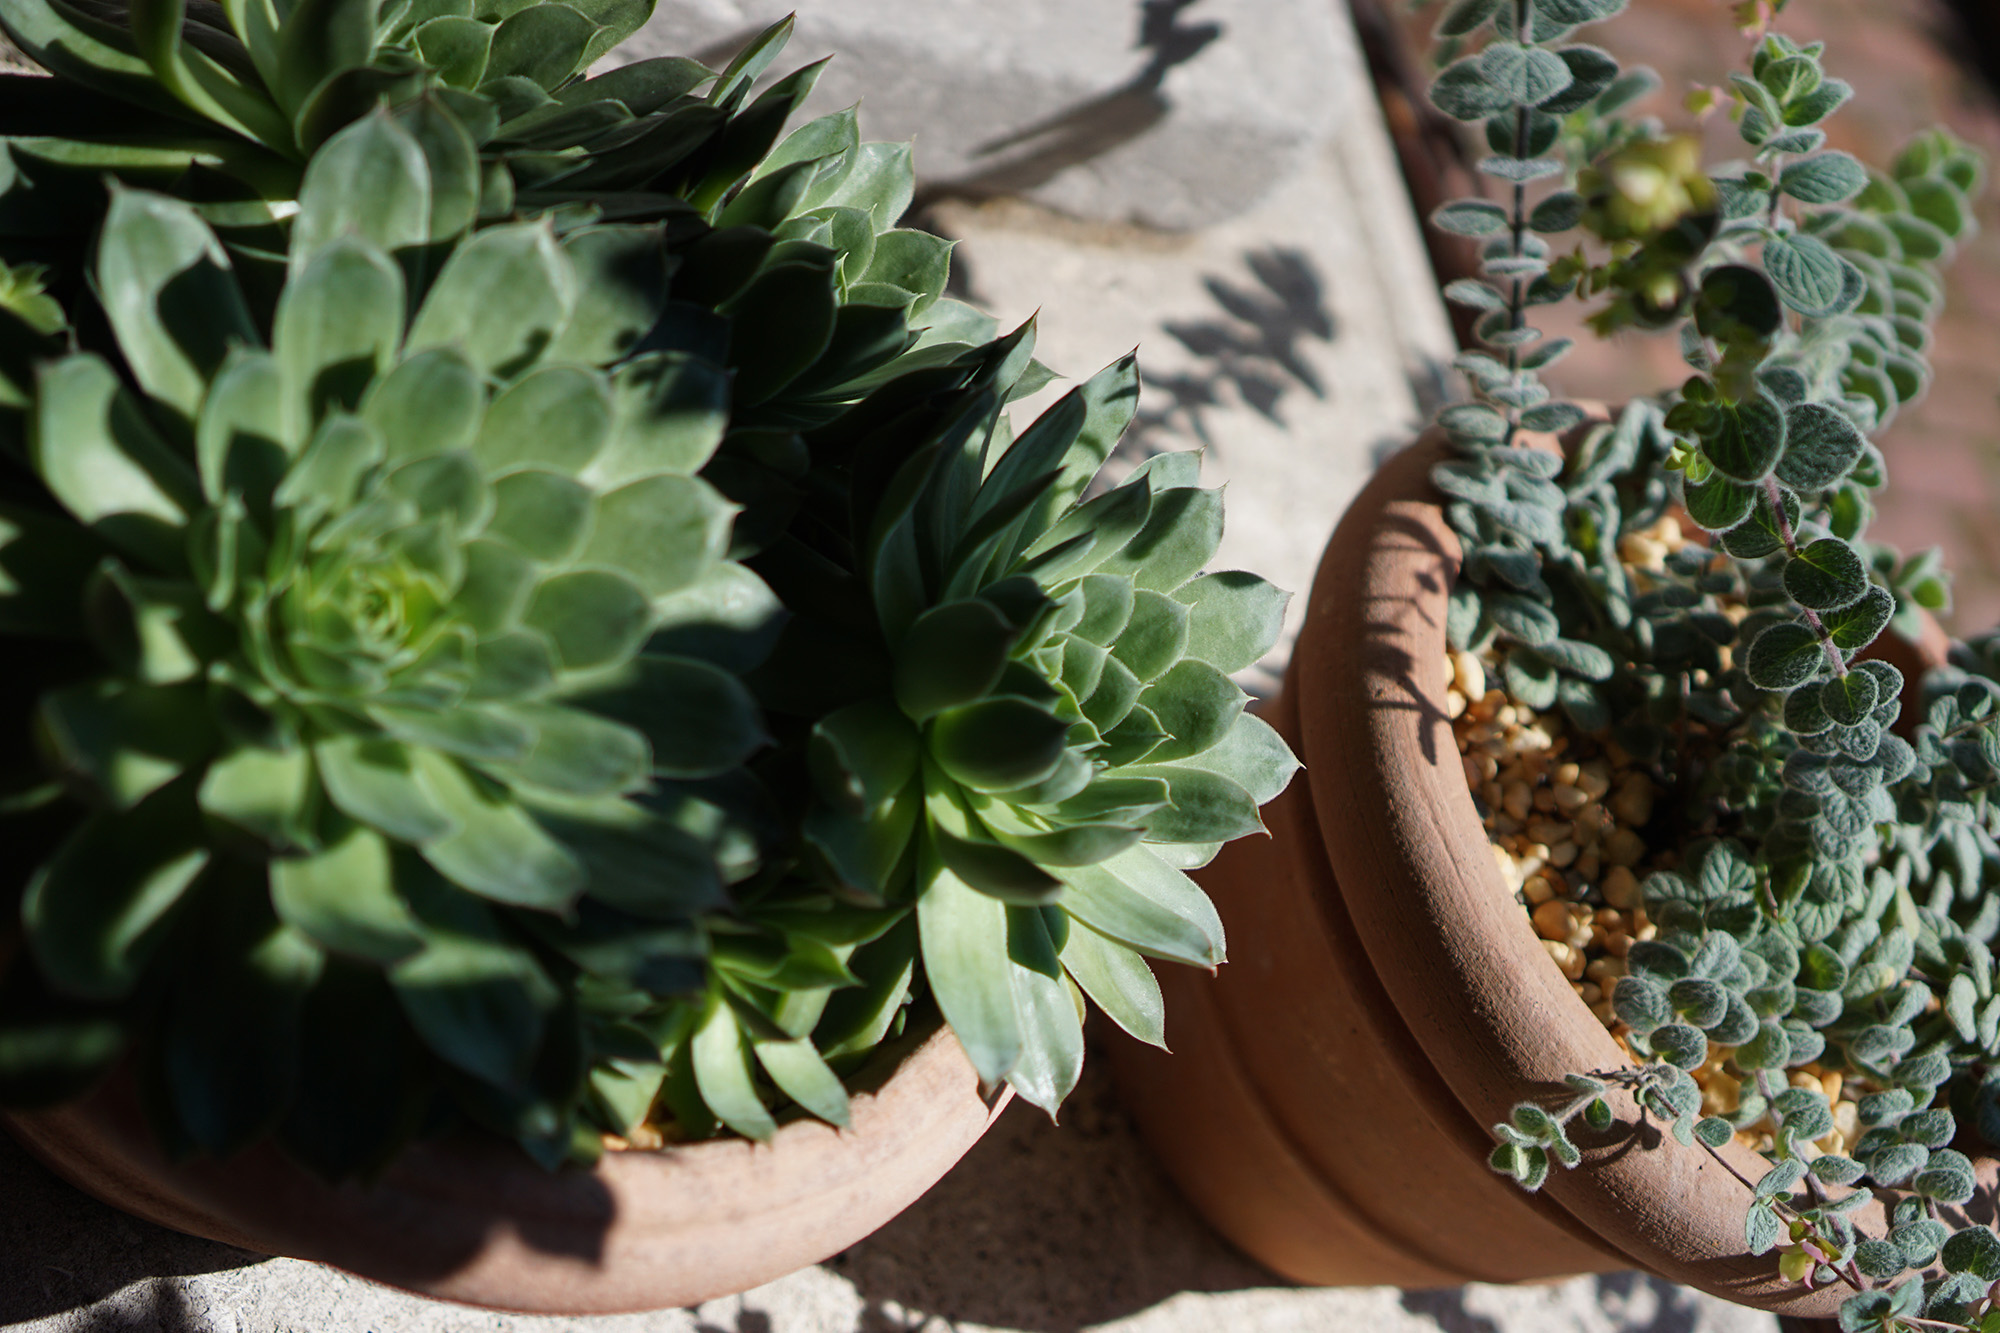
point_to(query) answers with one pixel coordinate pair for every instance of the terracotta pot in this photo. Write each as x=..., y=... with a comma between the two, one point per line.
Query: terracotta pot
x=1329, y=1100
x=472, y=1220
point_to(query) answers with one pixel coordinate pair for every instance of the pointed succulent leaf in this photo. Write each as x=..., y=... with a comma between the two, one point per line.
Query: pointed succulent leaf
x=957, y=926
x=503, y=297
x=170, y=294
x=371, y=181
x=96, y=910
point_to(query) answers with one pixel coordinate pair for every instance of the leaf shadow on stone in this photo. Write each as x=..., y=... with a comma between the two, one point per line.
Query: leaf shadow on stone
x=1251, y=353
x=1031, y=156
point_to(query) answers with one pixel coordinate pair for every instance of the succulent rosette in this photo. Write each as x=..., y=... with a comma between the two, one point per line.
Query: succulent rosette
x=1018, y=724
x=390, y=728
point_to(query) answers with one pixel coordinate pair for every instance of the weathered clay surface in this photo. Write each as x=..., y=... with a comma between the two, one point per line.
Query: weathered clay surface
x=472, y=1220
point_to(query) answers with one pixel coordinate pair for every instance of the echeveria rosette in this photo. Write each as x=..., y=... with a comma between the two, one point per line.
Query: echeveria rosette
x=408, y=739
x=1058, y=736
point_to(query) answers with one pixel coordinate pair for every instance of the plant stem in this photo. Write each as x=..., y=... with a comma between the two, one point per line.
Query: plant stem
x=1785, y=534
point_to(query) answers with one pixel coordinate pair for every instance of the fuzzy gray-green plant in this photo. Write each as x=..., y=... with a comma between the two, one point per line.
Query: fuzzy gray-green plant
x=1803, y=286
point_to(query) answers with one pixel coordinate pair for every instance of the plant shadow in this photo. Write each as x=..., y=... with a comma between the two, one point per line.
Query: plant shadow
x=1253, y=352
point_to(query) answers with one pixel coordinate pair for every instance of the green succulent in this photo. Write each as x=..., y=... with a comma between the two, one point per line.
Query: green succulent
x=390, y=702
x=1015, y=717
x=791, y=270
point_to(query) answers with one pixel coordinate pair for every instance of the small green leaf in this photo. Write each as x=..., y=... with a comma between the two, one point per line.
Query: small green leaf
x=1823, y=178
x=1856, y=626
x=1118, y=981
x=1748, y=440
x=1826, y=575
x=1136, y=900
x=1821, y=446
x=1809, y=276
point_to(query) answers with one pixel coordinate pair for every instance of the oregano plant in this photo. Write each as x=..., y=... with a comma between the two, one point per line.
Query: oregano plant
x=1828, y=902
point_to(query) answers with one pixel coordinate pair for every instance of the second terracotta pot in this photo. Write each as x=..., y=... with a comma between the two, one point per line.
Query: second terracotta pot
x=1329, y=1100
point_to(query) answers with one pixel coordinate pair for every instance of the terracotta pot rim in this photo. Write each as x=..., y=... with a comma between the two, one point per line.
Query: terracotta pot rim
x=470, y=1219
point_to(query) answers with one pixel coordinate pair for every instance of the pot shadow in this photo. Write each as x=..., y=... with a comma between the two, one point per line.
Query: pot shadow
x=62, y=1250
x=1044, y=1228
x=1633, y=1302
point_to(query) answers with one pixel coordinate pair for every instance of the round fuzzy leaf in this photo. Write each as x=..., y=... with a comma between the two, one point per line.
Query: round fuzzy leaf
x=1856, y=626
x=1784, y=657
x=997, y=744
x=1680, y=1045
x=1464, y=91
x=1809, y=276
x=1821, y=447
x=1524, y=75
x=1470, y=217
x=1748, y=439
x=1826, y=576
x=1823, y=178
x=1718, y=504
x=1736, y=296
x=1849, y=699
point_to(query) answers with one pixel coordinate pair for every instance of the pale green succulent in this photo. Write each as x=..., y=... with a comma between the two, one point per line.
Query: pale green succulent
x=408, y=668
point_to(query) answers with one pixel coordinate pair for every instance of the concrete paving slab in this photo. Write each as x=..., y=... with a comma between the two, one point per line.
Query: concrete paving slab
x=1170, y=113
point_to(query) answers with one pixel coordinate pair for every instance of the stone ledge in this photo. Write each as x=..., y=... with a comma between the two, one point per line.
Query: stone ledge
x=1174, y=114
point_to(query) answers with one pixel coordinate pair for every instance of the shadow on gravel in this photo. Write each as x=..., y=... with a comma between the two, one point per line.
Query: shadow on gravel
x=62, y=1251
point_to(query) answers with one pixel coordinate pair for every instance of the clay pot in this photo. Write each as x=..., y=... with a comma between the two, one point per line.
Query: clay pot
x=1329, y=1103
x=470, y=1219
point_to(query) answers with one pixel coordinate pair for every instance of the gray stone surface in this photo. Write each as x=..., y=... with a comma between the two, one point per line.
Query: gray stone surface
x=1170, y=113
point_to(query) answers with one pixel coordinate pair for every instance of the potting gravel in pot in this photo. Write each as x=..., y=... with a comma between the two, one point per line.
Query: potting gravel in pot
x=569, y=757
x=1633, y=908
